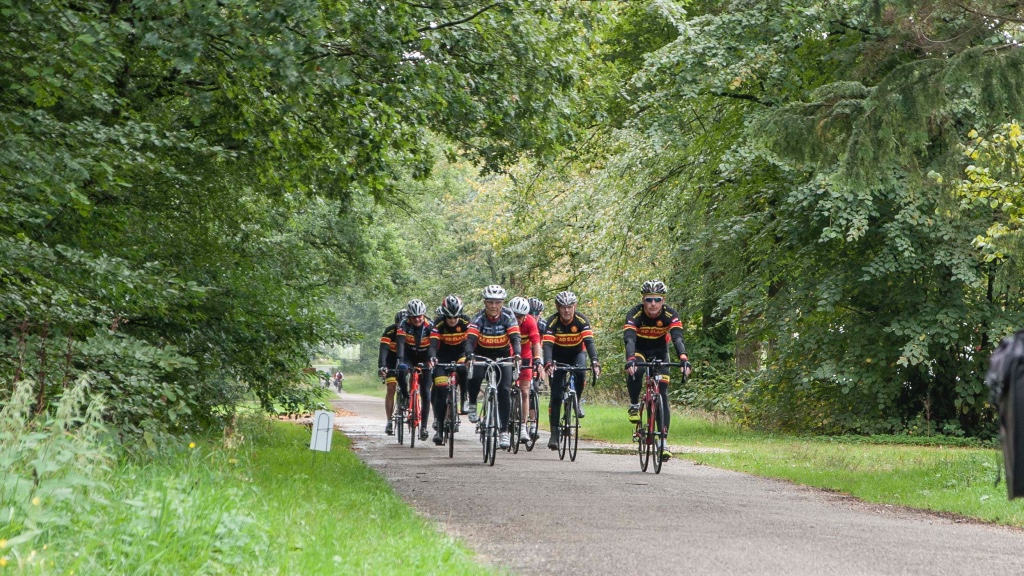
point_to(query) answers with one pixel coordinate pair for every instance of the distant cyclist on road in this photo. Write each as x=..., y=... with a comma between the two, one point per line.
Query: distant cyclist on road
x=568, y=334
x=413, y=343
x=494, y=334
x=530, y=336
x=644, y=333
x=447, y=344
x=387, y=361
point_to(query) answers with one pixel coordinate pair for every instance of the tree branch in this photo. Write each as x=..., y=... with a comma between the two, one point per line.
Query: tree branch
x=457, y=22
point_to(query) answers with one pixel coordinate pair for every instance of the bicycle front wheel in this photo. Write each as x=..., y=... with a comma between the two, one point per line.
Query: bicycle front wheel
x=399, y=418
x=492, y=427
x=659, y=433
x=574, y=428
x=564, y=429
x=414, y=416
x=515, y=420
x=450, y=419
x=532, y=427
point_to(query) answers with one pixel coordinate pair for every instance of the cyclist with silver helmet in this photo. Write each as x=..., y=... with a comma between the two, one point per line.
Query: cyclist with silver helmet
x=413, y=343
x=567, y=335
x=387, y=360
x=493, y=333
x=530, y=336
x=536, y=307
x=447, y=343
x=644, y=333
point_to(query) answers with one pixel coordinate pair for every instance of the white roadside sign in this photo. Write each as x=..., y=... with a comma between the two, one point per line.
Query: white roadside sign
x=323, y=428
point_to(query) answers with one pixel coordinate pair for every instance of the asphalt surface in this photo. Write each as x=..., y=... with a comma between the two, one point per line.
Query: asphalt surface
x=534, y=514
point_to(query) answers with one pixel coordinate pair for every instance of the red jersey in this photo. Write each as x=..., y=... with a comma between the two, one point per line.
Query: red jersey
x=530, y=334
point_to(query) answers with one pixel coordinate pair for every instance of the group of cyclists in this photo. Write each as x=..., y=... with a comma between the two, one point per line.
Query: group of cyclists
x=534, y=344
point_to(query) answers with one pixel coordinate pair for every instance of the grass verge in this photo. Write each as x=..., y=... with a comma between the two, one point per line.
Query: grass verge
x=264, y=505
x=368, y=384
x=956, y=480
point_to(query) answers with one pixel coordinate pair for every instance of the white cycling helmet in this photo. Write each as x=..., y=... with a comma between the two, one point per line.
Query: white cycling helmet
x=495, y=292
x=519, y=305
x=654, y=287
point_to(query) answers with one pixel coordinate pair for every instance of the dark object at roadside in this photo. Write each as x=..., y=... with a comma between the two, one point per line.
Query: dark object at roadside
x=1005, y=380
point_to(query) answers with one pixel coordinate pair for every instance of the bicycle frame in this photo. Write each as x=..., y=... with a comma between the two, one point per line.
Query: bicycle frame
x=569, y=423
x=414, y=416
x=651, y=435
x=487, y=425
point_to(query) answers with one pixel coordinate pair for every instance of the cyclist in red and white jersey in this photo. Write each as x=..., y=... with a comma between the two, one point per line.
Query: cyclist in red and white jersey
x=531, y=345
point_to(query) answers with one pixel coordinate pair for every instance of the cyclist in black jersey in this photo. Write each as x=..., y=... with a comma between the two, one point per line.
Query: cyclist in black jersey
x=447, y=344
x=493, y=333
x=645, y=331
x=568, y=335
x=536, y=307
x=413, y=342
x=387, y=361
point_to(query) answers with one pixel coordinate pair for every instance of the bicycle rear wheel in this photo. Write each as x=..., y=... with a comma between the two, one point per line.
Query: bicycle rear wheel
x=451, y=418
x=659, y=434
x=645, y=436
x=492, y=427
x=399, y=419
x=574, y=427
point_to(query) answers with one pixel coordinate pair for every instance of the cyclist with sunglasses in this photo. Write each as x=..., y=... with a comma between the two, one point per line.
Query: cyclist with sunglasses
x=413, y=341
x=649, y=326
x=568, y=335
x=447, y=342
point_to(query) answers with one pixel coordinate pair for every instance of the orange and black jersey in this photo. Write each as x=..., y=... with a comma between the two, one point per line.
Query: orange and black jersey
x=388, y=342
x=492, y=337
x=447, y=342
x=645, y=334
x=413, y=341
x=563, y=342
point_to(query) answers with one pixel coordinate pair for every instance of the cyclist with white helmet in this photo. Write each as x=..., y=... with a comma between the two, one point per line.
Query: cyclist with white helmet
x=530, y=336
x=493, y=333
x=387, y=360
x=447, y=344
x=413, y=342
x=568, y=335
x=644, y=333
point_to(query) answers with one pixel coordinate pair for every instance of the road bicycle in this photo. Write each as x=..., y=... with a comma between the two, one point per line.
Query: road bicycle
x=451, y=416
x=487, y=425
x=569, y=423
x=650, y=434
x=414, y=414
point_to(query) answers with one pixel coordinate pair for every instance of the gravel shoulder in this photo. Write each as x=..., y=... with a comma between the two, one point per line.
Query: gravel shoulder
x=534, y=514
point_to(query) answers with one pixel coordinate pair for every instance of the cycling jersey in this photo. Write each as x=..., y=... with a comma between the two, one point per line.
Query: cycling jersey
x=386, y=356
x=644, y=334
x=413, y=341
x=542, y=325
x=493, y=337
x=563, y=342
x=528, y=331
x=448, y=342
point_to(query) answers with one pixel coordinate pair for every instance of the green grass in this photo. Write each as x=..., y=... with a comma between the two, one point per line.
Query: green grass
x=266, y=507
x=956, y=480
x=368, y=384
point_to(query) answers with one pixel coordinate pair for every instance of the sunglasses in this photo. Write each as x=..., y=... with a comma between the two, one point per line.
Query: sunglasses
x=653, y=300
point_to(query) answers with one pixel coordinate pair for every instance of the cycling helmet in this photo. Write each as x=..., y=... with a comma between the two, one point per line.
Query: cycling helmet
x=654, y=287
x=452, y=306
x=536, y=306
x=495, y=292
x=416, y=307
x=519, y=305
x=400, y=316
x=439, y=311
x=565, y=298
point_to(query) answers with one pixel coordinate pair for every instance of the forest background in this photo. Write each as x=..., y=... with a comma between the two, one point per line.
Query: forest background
x=195, y=197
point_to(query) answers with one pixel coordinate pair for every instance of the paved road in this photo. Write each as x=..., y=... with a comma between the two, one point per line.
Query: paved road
x=534, y=514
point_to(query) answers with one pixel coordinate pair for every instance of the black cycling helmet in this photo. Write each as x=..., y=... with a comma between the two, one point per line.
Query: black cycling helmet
x=654, y=287
x=438, y=311
x=536, y=306
x=452, y=306
x=565, y=298
x=416, y=307
x=400, y=316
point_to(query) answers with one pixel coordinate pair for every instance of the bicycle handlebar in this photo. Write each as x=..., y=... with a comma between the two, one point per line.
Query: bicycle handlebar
x=658, y=364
